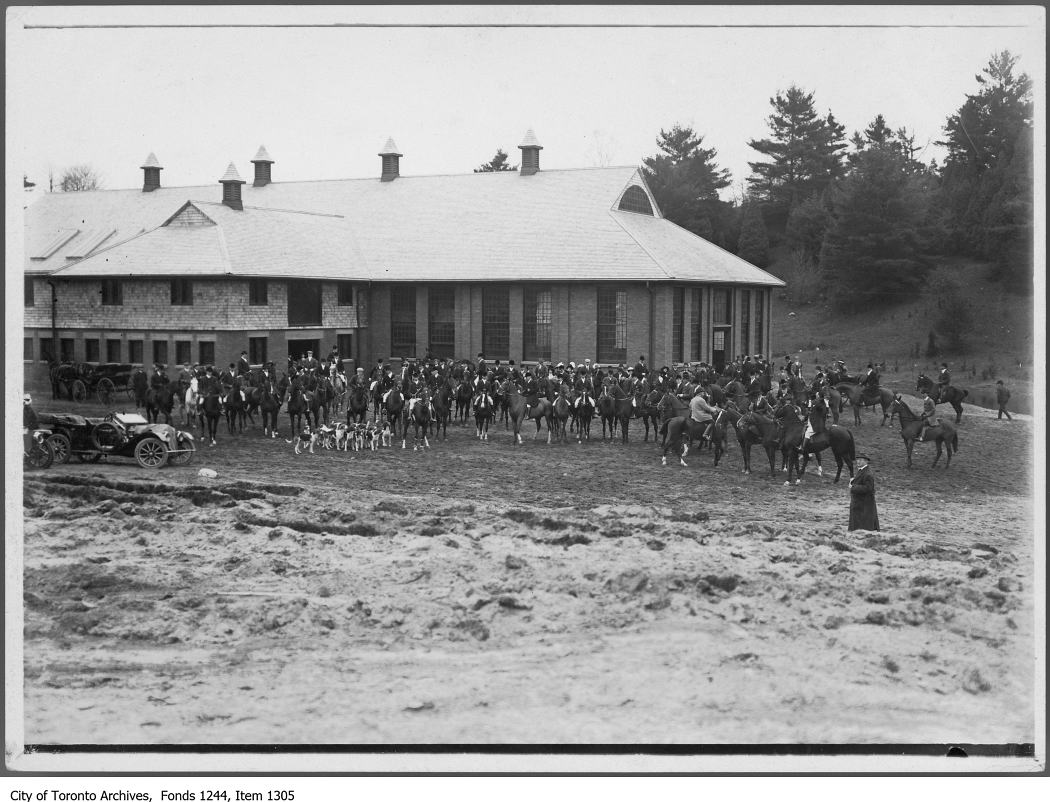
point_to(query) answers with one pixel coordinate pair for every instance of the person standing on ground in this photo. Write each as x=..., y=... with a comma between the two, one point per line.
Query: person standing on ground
x=1002, y=395
x=863, y=513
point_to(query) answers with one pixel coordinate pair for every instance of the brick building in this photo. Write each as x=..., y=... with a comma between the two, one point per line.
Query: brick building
x=552, y=264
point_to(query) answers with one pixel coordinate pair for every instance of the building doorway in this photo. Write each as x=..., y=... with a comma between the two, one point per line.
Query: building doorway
x=720, y=337
x=297, y=349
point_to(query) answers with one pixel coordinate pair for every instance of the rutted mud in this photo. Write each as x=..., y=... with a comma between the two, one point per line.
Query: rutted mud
x=487, y=593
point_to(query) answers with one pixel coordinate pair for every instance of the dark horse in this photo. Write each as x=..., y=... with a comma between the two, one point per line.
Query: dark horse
x=561, y=413
x=298, y=406
x=139, y=386
x=484, y=409
x=678, y=424
x=159, y=399
x=269, y=406
x=513, y=401
x=944, y=433
x=419, y=414
x=792, y=443
x=322, y=396
x=393, y=408
x=442, y=409
x=755, y=429
x=860, y=396
x=947, y=395
x=622, y=407
x=357, y=403
x=463, y=396
x=583, y=410
x=236, y=407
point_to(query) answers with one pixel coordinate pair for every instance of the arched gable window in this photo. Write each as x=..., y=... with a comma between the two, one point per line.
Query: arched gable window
x=635, y=200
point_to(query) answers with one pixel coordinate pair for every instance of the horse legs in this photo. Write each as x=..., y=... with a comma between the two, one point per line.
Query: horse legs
x=909, y=445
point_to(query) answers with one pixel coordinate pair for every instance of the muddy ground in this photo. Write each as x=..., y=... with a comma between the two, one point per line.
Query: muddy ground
x=563, y=594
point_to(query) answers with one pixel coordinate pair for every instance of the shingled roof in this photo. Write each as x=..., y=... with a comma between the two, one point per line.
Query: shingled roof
x=560, y=225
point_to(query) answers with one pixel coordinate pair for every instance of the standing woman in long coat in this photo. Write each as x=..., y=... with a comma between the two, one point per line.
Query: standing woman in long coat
x=863, y=514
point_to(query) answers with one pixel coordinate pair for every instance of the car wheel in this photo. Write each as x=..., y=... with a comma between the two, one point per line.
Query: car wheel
x=151, y=453
x=61, y=446
x=183, y=457
x=40, y=455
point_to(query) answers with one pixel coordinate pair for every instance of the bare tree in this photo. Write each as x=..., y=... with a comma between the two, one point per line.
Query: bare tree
x=79, y=178
x=602, y=149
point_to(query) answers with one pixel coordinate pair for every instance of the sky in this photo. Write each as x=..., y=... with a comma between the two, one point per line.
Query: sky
x=324, y=100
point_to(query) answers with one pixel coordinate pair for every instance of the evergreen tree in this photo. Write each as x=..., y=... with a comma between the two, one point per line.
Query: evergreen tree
x=685, y=181
x=805, y=152
x=754, y=241
x=806, y=225
x=872, y=251
x=497, y=164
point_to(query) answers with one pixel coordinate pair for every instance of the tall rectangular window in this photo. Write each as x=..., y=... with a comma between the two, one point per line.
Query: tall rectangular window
x=344, y=293
x=304, y=302
x=112, y=350
x=160, y=352
x=745, y=321
x=206, y=351
x=536, y=323
x=47, y=351
x=402, y=321
x=135, y=352
x=495, y=322
x=91, y=349
x=257, y=350
x=181, y=292
x=30, y=292
x=721, y=309
x=678, y=325
x=257, y=292
x=112, y=292
x=184, y=353
x=612, y=325
x=67, y=350
x=760, y=303
x=441, y=300
x=694, y=327
x=345, y=344
x=27, y=349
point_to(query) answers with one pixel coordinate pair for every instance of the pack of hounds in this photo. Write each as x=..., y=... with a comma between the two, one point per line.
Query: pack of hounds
x=344, y=437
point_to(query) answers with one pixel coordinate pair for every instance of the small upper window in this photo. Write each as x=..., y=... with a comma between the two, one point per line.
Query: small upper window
x=112, y=292
x=635, y=200
x=257, y=292
x=345, y=293
x=181, y=292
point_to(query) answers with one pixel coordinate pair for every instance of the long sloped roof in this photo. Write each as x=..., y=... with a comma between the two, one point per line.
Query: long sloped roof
x=556, y=225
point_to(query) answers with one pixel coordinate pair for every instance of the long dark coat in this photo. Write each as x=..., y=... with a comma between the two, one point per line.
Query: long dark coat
x=863, y=513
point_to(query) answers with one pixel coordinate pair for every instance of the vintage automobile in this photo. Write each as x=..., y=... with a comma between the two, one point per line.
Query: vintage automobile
x=36, y=450
x=119, y=434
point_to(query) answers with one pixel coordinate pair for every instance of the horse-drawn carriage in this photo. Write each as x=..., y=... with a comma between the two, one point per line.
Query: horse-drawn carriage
x=118, y=434
x=104, y=380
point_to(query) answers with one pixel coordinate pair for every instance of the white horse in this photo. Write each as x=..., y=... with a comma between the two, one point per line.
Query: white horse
x=189, y=409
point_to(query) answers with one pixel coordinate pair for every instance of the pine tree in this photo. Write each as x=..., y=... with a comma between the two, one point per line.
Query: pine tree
x=805, y=152
x=685, y=181
x=497, y=164
x=754, y=241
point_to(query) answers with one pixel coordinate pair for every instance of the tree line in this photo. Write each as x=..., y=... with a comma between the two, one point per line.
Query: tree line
x=860, y=221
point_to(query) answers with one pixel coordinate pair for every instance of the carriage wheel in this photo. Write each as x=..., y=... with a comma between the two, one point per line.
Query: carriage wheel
x=183, y=457
x=79, y=391
x=40, y=455
x=151, y=453
x=105, y=391
x=61, y=446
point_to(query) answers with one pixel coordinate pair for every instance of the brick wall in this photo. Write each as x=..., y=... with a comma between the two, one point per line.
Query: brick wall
x=583, y=323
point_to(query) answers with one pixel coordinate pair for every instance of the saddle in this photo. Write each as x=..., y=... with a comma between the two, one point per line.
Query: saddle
x=870, y=392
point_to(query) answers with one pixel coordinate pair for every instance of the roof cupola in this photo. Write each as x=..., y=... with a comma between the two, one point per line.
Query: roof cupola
x=262, y=162
x=151, y=174
x=391, y=161
x=530, y=154
x=231, y=188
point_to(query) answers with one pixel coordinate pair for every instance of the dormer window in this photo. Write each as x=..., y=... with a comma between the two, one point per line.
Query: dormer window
x=635, y=200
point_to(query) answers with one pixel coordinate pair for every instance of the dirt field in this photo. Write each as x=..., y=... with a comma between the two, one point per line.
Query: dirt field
x=487, y=593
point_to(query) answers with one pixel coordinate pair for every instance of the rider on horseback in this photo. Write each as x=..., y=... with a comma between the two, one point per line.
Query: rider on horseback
x=929, y=409
x=944, y=380
x=159, y=378
x=702, y=412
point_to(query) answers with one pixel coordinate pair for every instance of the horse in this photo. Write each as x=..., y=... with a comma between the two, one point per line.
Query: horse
x=583, y=410
x=63, y=375
x=943, y=395
x=269, y=405
x=539, y=408
x=393, y=408
x=235, y=404
x=159, y=399
x=755, y=429
x=420, y=414
x=942, y=434
x=339, y=388
x=483, y=412
x=320, y=396
x=726, y=417
x=793, y=443
x=139, y=386
x=463, y=394
x=859, y=396
x=357, y=403
x=210, y=409
x=561, y=413
x=190, y=399
x=298, y=406
x=623, y=407
x=676, y=425
x=736, y=393
x=797, y=390
x=442, y=409
x=514, y=402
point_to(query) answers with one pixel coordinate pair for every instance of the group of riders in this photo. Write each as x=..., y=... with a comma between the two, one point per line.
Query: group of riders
x=767, y=385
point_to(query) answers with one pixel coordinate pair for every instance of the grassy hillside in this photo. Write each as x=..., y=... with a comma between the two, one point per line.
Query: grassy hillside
x=999, y=346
